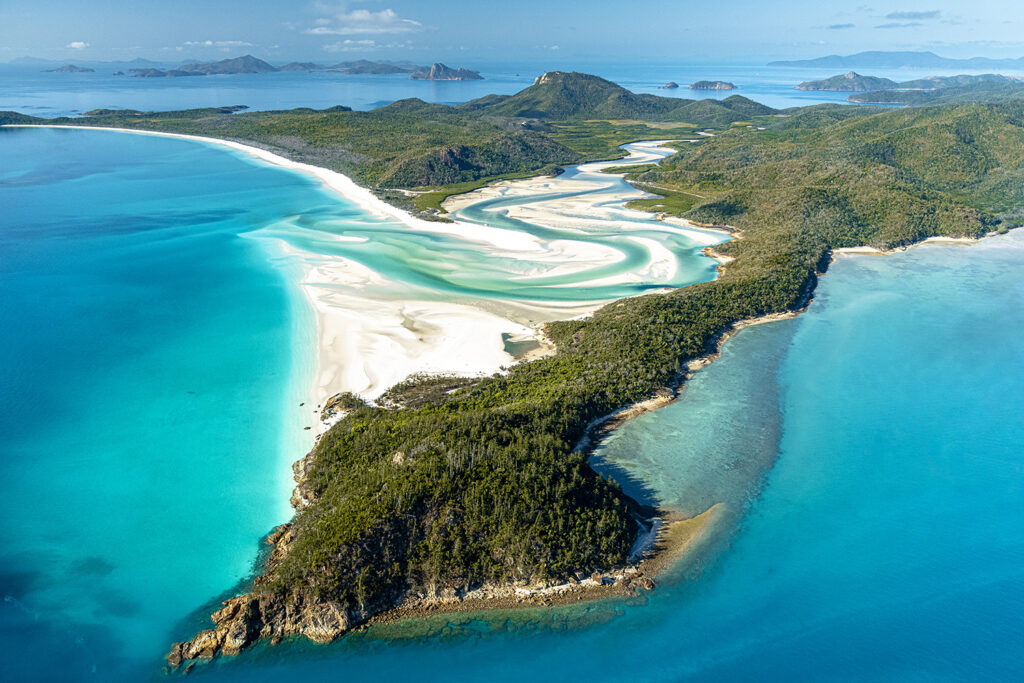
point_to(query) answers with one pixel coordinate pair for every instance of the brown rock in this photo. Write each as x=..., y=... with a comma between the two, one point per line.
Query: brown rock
x=205, y=644
x=174, y=657
x=323, y=623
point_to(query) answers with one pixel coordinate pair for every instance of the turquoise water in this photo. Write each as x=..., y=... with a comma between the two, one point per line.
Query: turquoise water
x=150, y=392
x=886, y=543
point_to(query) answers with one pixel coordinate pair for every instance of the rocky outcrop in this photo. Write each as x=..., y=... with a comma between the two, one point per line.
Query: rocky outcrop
x=266, y=613
x=671, y=85
x=247, y=618
x=440, y=72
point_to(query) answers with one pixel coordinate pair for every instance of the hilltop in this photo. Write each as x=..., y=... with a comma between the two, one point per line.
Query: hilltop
x=571, y=96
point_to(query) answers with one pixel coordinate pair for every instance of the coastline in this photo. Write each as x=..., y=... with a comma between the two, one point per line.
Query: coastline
x=366, y=344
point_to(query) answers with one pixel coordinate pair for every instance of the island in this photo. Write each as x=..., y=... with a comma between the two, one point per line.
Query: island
x=921, y=91
x=248, y=64
x=848, y=82
x=712, y=85
x=451, y=487
x=440, y=72
x=363, y=66
x=901, y=60
x=70, y=69
x=671, y=85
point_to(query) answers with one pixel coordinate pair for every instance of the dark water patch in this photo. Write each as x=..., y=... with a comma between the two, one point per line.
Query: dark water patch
x=91, y=566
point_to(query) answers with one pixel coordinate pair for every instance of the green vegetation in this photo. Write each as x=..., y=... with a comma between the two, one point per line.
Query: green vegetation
x=450, y=482
x=980, y=91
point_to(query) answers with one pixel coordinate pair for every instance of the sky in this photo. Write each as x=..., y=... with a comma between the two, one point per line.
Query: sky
x=464, y=32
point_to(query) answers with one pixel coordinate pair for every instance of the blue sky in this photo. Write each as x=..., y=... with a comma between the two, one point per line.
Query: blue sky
x=459, y=31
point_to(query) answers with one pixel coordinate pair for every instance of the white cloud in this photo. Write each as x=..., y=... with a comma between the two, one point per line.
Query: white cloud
x=363, y=22
x=77, y=45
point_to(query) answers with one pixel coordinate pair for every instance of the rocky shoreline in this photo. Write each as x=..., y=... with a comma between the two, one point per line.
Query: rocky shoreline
x=271, y=614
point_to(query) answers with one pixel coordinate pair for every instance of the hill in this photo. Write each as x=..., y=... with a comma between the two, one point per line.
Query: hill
x=562, y=96
x=719, y=113
x=571, y=96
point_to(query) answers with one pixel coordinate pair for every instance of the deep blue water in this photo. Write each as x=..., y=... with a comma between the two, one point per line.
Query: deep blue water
x=26, y=89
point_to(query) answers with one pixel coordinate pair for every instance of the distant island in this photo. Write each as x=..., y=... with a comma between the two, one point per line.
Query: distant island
x=239, y=65
x=934, y=89
x=712, y=85
x=901, y=60
x=848, y=82
x=363, y=66
x=671, y=85
x=248, y=64
x=441, y=72
x=70, y=69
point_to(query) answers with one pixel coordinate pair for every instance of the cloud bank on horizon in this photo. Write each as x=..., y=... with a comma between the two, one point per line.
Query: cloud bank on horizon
x=500, y=30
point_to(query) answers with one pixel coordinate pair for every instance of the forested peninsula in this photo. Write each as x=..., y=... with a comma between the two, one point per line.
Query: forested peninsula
x=451, y=486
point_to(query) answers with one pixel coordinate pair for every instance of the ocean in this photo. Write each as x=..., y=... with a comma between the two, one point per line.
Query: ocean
x=27, y=89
